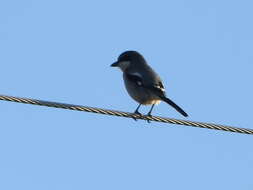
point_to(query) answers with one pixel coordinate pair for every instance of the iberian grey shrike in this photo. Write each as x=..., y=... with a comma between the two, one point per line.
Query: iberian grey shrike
x=143, y=84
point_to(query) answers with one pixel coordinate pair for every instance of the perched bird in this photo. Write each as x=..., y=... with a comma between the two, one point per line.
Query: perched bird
x=143, y=84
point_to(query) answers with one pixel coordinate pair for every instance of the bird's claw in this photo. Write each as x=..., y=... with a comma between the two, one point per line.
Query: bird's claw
x=148, y=115
x=138, y=113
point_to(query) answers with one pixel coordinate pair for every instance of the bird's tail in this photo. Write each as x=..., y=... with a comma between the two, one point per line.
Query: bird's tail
x=170, y=102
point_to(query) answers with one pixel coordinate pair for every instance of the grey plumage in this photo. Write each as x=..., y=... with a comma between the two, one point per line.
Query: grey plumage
x=143, y=84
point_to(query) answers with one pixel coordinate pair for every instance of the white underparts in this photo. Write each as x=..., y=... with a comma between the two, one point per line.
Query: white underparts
x=151, y=102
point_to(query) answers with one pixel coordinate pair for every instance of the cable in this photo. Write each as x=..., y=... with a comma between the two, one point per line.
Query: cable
x=125, y=114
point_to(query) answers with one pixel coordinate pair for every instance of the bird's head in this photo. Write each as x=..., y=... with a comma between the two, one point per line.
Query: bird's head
x=127, y=59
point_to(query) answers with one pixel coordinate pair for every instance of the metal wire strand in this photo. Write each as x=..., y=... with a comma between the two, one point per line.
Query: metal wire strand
x=125, y=114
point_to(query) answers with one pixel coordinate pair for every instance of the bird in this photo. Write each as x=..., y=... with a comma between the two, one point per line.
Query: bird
x=142, y=83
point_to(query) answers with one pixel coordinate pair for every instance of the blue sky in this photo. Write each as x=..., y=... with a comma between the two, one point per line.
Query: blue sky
x=61, y=51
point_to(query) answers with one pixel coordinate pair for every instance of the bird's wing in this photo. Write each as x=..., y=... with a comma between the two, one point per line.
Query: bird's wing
x=156, y=88
x=135, y=78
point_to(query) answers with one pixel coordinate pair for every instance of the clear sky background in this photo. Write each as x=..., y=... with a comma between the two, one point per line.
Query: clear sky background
x=61, y=51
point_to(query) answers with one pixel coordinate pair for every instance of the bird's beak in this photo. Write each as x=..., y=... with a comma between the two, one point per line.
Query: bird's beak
x=115, y=64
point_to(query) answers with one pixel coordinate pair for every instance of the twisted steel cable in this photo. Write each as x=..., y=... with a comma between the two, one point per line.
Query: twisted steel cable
x=125, y=114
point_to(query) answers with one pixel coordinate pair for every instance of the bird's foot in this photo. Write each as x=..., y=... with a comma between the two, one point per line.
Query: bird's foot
x=148, y=115
x=138, y=113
